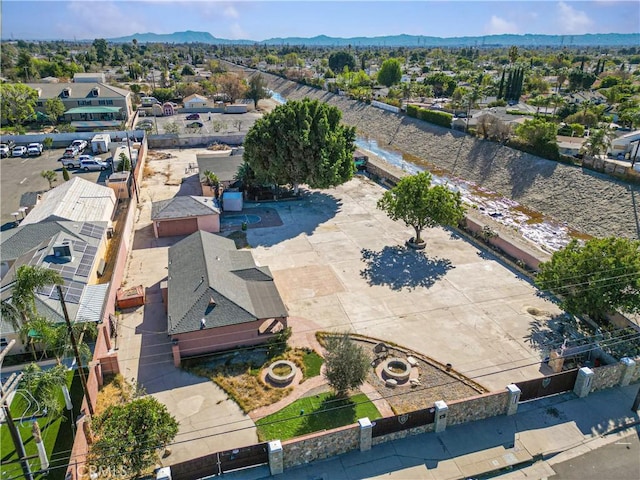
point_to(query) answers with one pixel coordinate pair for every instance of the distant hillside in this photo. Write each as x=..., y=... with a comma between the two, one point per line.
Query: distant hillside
x=178, y=37
x=529, y=40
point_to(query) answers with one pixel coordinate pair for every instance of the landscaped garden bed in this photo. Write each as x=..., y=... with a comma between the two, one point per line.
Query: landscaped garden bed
x=241, y=375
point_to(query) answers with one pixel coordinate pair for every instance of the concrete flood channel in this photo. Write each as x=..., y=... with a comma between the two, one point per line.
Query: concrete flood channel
x=540, y=229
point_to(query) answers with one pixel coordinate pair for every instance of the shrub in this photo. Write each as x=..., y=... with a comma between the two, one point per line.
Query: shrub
x=439, y=118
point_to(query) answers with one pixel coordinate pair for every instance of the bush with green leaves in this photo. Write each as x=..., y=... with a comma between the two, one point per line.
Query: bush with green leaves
x=346, y=363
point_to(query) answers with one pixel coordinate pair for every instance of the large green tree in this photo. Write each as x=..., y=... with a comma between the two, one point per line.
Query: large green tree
x=390, y=72
x=17, y=102
x=339, y=60
x=54, y=108
x=257, y=89
x=128, y=435
x=596, y=278
x=537, y=132
x=301, y=142
x=420, y=205
x=346, y=364
x=102, y=51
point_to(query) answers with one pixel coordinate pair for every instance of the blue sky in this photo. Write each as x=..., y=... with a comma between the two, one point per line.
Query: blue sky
x=259, y=20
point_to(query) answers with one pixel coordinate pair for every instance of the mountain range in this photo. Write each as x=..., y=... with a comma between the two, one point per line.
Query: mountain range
x=528, y=40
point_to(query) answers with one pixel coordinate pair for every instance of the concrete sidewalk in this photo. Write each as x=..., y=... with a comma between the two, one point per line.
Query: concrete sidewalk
x=526, y=445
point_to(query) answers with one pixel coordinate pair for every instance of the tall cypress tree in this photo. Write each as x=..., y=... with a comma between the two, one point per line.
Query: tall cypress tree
x=501, y=88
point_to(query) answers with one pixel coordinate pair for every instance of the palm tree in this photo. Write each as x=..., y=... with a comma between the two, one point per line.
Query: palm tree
x=599, y=141
x=53, y=338
x=21, y=305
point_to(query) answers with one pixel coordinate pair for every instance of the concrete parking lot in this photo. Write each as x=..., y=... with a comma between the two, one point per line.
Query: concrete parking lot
x=21, y=175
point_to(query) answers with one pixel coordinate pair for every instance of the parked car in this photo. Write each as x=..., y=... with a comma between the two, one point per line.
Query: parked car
x=70, y=152
x=34, y=149
x=19, y=151
x=193, y=116
x=72, y=162
x=93, y=164
x=4, y=150
x=195, y=125
x=80, y=145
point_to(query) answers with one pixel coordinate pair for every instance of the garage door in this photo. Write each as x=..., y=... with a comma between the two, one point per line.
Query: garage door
x=169, y=228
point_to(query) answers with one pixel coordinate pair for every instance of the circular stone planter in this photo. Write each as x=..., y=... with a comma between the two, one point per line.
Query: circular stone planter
x=416, y=246
x=397, y=369
x=281, y=379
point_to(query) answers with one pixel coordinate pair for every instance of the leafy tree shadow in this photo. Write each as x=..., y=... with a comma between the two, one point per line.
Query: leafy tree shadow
x=333, y=412
x=551, y=333
x=402, y=267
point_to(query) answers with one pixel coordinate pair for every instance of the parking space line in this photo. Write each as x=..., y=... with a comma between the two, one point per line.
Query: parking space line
x=23, y=180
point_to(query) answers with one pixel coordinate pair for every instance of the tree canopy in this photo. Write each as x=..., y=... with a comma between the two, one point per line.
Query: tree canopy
x=339, y=60
x=420, y=205
x=390, y=72
x=537, y=132
x=346, y=364
x=301, y=142
x=128, y=435
x=257, y=89
x=596, y=278
x=17, y=102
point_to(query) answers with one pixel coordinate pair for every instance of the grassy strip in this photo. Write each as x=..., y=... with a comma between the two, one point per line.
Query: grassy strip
x=312, y=363
x=312, y=414
x=57, y=435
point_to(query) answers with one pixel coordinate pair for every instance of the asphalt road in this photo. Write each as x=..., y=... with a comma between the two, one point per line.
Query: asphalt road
x=617, y=461
x=22, y=174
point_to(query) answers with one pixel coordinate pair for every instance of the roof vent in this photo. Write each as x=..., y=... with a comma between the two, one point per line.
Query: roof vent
x=62, y=251
x=212, y=302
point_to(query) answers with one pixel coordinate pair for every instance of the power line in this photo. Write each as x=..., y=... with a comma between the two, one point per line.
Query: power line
x=455, y=381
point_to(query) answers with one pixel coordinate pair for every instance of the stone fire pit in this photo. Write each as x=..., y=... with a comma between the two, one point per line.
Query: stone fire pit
x=397, y=369
x=281, y=372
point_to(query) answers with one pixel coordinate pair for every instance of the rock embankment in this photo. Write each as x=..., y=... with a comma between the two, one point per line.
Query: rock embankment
x=586, y=201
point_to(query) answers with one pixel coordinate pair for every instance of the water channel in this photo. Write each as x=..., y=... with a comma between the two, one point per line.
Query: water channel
x=541, y=230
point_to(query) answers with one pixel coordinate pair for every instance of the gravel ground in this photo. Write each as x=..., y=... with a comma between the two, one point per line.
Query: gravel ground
x=586, y=201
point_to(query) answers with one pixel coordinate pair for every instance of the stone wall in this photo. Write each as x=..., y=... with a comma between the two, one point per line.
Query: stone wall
x=321, y=445
x=478, y=407
x=606, y=376
x=403, y=433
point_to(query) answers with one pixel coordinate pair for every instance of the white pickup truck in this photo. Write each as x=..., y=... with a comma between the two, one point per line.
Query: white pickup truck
x=34, y=149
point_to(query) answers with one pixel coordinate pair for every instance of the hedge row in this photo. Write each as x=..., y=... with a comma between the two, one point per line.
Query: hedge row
x=439, y=118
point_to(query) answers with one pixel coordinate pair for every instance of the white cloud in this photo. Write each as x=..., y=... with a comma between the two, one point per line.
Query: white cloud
x=108, y=22
x=230, y=12
x=570, y=20
x=498, y=25
x=237, y=33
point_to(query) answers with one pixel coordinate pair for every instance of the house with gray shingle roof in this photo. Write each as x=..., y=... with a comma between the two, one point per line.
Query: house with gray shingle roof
x=218, y=298
x=73, y=249
x=183, y=215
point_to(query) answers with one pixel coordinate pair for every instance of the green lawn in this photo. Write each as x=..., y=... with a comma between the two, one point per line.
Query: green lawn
x=311, y=414
x=312, y=363
x=57, y=436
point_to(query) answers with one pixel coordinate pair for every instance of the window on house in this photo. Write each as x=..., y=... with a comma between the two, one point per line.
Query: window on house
x=3, y=342
x=39, y=104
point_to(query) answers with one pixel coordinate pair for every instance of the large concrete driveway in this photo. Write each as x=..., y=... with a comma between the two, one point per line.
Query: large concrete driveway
x=342, y=263
x=203, y=410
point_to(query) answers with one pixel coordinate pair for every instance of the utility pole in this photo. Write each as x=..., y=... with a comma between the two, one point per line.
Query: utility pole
x=5, y=391
x=133, y=170
x=83, y=379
